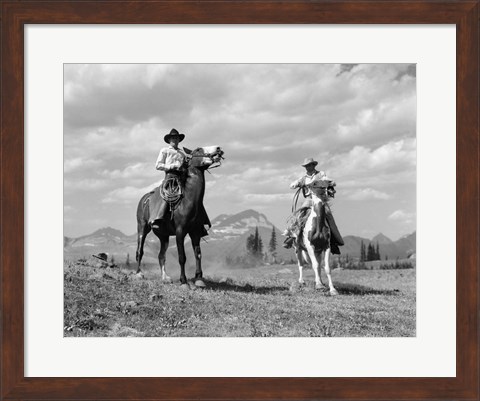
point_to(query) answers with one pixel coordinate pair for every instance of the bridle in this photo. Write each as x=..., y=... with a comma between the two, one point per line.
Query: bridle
x=320, y=191
x=216, y=158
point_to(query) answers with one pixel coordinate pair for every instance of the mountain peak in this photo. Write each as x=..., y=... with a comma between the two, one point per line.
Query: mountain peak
x=221, y=217
x=381, y=239
x=108, y=231
x=240, y=223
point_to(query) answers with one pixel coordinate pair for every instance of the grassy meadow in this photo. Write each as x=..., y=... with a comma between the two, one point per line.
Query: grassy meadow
x=264, y=301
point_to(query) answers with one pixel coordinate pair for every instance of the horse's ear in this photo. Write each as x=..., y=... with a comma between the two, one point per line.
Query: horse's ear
x=187, y=151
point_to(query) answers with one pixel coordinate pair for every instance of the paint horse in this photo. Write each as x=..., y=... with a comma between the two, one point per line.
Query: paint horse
x=315, y=237
x=187, y=217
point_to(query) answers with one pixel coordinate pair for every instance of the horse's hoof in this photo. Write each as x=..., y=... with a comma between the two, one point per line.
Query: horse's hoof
x=319, y=287
x=333, y=292
x=184, y=286
x=200, y=283
x=167, y=280
x=301, y=283
x=140, y=275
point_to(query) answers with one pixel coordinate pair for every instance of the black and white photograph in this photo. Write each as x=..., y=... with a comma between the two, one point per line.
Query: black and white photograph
x=239, y=200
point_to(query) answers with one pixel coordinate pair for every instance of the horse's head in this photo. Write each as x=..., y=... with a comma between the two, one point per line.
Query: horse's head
x=206, y=157
x=321, y=190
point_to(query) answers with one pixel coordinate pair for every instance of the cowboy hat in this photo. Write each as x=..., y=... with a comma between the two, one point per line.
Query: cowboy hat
x=173, y=132
x=309, y=160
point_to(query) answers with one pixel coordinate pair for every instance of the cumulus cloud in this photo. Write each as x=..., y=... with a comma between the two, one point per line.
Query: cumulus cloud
x=78, y=163
x=86, y=184
x=393, y=162
x=367, y=194
x=402, y=216
x=132, y=171
x=128, y=194
x=266, y=198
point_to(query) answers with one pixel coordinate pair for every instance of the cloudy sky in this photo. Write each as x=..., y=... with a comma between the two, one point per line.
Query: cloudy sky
x=358, y=121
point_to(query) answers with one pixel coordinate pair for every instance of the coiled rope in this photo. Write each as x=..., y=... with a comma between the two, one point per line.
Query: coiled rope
x=171, y=192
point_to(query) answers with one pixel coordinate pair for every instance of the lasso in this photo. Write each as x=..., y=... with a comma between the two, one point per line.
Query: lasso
x=171, y=192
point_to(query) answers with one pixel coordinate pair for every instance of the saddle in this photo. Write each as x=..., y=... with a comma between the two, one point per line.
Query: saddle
x=171, y=191
x=300, y=217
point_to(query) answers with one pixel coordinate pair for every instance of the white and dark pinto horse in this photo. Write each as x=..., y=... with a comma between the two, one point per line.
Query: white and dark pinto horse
x=188, y=217
x=315, y=237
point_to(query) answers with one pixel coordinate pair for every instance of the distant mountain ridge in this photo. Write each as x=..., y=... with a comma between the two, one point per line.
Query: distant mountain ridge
x=227, y=237
x=402, y=248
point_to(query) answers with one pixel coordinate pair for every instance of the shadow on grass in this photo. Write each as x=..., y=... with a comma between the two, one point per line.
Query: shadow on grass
x=343, y=289
x=229, y=286
x=355, y=289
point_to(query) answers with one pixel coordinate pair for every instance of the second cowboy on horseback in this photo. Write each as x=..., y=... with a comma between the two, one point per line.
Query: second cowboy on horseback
x=311, y=175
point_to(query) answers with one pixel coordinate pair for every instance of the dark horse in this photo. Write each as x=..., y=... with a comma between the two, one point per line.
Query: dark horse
x=189, y=215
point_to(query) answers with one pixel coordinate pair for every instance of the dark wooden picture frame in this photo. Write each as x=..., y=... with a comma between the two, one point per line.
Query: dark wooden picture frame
x=16, y=14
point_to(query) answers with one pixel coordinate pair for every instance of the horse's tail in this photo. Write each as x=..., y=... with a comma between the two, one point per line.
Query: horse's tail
x=143, y=209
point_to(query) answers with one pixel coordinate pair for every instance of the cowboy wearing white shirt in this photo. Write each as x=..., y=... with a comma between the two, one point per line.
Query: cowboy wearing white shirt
x=171, y=159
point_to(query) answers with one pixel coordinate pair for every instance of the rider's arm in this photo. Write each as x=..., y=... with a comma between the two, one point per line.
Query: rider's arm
x=294, y=184
x=297, y=183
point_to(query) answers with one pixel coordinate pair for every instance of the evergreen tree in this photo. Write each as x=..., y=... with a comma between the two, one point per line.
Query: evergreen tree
x=272, y=246
x=260, y=247
x=362, y=252
x=255, y=245
x=377, y=253
x=256, y=248
x=251, y=244
x=370, y=252
x=127, y=262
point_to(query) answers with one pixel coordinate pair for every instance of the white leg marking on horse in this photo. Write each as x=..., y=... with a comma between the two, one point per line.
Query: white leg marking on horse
x=333, y=291
x=311, y=250
x=300, y=262
x=165, y=276
x=320, y=270
x=162, y=259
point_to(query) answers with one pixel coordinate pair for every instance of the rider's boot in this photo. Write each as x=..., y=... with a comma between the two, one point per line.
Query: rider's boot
x=288, y=243
x=157, y=220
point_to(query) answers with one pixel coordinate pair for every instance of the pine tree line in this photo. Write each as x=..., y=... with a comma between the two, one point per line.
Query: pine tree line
x=370, y=252
x=255, y=254
x=255, y=244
